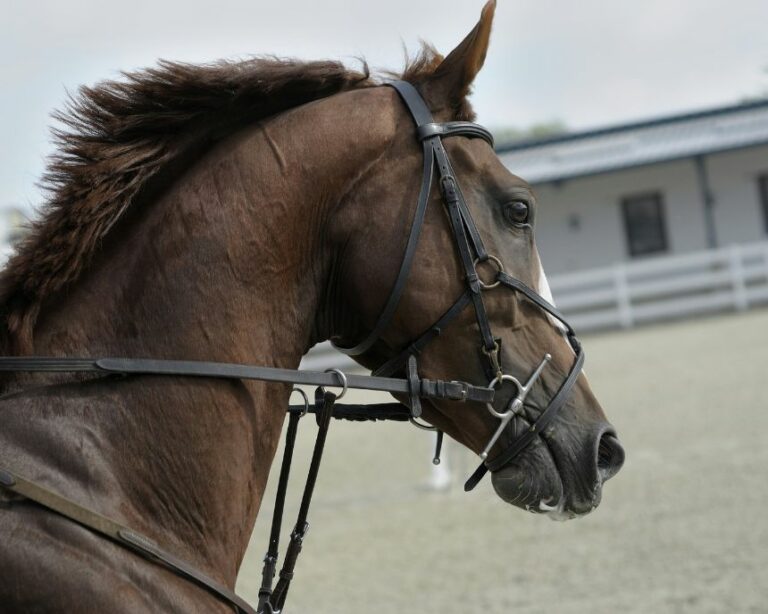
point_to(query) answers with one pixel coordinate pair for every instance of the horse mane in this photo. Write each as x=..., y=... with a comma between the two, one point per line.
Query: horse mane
x=118, y=135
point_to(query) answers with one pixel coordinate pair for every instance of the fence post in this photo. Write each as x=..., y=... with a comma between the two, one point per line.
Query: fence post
x=737, y=278
x=623, y=300
x=765, y=257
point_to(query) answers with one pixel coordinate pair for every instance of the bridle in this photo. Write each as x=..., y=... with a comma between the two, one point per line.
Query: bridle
x=472, y=253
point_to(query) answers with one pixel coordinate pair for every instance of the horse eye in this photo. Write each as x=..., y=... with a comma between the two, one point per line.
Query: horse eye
x=516, y=212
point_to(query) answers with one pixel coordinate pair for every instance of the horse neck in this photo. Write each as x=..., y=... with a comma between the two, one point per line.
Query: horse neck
x=231, y=263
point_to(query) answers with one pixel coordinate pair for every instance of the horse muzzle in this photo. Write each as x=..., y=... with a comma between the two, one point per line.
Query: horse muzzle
x=562, y=473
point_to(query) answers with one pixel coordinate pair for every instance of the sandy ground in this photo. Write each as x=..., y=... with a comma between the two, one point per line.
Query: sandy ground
x=683, y=528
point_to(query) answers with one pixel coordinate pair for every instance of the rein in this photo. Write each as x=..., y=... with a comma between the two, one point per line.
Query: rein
x=471, y=251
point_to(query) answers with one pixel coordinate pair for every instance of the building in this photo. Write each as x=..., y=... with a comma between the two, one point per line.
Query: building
x=662, y=187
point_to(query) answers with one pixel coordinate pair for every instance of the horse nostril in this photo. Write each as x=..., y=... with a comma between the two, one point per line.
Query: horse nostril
x=610, y=456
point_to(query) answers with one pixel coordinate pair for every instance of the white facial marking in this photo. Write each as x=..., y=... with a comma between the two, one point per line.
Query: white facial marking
x=546, y=292
x=544, y=288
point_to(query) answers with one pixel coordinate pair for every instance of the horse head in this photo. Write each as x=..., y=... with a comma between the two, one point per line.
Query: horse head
x=476, y=241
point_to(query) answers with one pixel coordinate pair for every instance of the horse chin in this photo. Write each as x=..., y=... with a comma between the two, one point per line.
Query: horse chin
x=533, y=482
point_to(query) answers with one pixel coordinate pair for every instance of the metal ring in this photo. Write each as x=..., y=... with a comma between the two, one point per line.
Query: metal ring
x=500, y=380
x=423, y=427
x=499, y=266
x=343, y=379
x=306, y=401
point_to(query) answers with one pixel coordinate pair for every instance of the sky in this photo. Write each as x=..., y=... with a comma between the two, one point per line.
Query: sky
x=588, y=63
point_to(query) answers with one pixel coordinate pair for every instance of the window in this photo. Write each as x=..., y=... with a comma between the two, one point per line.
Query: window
x=644, y=224
x=762, y=184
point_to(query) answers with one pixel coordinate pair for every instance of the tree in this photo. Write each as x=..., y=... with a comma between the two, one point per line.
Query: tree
x=540, y=130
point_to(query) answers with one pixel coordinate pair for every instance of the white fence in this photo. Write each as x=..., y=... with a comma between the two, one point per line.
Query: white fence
x=664, y=288
x=656, y=289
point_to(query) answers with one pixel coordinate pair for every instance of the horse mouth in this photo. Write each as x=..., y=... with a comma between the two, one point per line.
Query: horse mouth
x=532, y=483
x=544, y=480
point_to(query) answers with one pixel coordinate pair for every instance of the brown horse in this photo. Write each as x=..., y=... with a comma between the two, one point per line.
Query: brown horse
x=243, y=212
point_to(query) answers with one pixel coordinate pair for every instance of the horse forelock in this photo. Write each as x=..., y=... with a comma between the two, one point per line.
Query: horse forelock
x=117, y=136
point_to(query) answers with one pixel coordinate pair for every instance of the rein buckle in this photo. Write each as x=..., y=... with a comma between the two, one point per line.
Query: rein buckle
x=464, y=391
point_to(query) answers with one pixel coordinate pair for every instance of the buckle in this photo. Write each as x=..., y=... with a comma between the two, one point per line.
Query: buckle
x=464, y=391
x=449, y=189
x=299, y=534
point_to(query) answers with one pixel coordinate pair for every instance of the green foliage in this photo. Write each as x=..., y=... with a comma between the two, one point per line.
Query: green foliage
x=510, y=134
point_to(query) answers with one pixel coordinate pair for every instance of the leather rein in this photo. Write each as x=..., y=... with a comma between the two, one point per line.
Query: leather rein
x=472, y=253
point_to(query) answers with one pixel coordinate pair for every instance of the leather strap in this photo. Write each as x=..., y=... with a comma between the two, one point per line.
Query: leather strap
x=270, y=559
x=418, y=109
x=413, y=395
x=469, y=242
x=437, y=389
x=515, y=284
x=425, y=131
x=326, y=400
x=429, y=133
x=555, y=404
x=371, y=412
x=119, y=533
x=452, y=196
x=475, y=239
x=396, y=362
x=413, y=100
x=405, y=266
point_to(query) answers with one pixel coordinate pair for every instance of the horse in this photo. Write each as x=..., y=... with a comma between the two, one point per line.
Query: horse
x=243, y=212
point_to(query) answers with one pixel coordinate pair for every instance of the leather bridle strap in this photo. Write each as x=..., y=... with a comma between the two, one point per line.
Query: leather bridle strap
x=424, y=131
x=463, y=226
x=464, y=230
x=119, y=533
x=471, y=251
x=555, y=404
x=429, y=389
x=270, y=559
x=272, y=602
x=405, y=266
x=415, y=348
x=410, y=249
x=520, y=443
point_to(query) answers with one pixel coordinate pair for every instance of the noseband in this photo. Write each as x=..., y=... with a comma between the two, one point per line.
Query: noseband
x=472, y=253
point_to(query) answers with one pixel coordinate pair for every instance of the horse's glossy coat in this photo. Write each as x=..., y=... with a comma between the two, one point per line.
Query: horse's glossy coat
x=247, y=235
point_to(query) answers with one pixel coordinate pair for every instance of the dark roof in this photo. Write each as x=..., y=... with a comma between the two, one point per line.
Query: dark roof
x=638, y=143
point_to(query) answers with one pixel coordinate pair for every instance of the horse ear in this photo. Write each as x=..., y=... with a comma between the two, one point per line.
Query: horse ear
x=453, y=77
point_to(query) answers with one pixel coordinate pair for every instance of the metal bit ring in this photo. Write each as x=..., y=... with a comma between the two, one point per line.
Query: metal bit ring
x=500, y=380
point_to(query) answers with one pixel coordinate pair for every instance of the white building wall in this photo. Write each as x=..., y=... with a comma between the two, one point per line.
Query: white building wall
x=733, y=176
x=594, y=204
